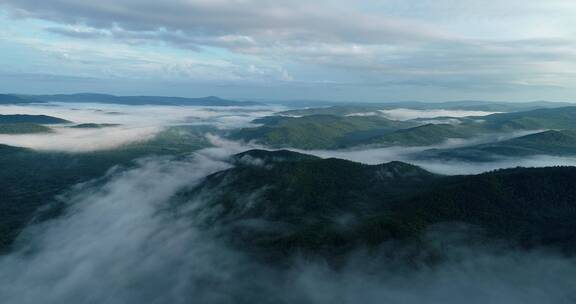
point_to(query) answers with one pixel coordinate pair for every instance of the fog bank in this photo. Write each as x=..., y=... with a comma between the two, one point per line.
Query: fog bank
x=120, y=242
x=135, y=123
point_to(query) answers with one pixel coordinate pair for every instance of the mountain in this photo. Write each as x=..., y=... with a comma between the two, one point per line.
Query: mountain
x=556, y=118
x=32, y=180
x=425, y=135
x=272, y=195
x=317, y=131
x=288, y=203
x=34, y=119
x=466, y=105
x=23, y=128
x=93, y=126
x=14, y=99
x=142, y=100
x=552, y=142
x=335, y=132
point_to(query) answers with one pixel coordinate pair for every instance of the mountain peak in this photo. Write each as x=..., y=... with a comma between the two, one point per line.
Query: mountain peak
x=258, y=156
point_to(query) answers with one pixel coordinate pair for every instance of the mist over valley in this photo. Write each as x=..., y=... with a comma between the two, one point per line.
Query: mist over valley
x=287, y=152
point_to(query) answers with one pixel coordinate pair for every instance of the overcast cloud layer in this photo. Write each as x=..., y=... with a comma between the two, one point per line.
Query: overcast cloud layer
x=329, y=49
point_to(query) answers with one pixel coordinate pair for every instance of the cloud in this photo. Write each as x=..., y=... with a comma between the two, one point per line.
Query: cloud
x=459, y=167
x=228, y=22
x=121, y=242
x=374, y=156
x=407, y=114
x=115, y=247
x=137, y=123
x=502, y=47
x=81, y=140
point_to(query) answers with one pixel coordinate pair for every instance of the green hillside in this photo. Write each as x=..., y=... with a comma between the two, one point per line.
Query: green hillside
x=316, y=131
x=14, y=99
x=35, y=119
x=429, y=134
x=466, y=105
x=23, y=128
x=557, y=118
x=334, y=132
x=30, y=179
x=552, y=142
x=298, y=204
x=93, y=126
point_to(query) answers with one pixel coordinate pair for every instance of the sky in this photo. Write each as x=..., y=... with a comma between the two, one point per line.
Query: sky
x=369, y=50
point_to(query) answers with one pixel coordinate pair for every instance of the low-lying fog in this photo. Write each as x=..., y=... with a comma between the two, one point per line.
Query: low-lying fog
x=136, y=123
x=407, y=114
x=117, y=245
x=140, y=123
x=375, y=156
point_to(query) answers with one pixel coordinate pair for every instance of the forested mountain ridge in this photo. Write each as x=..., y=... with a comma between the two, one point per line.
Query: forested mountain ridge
x=336, y=132
x=317, y=131
x=551, y=142
x=36, y=119
x=31, y=179
x=286, y=204
x=465, y=105
x=14, y=99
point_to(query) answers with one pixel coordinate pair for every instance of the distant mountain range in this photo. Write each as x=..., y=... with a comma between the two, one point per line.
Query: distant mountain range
x=323, y=131
x=551, y=142
x=36, y=119
x=317, y=131
x=315, y=107
x=466, y=105
x=126, y=100
x=23, y=128
x=28, y=124
x=13, y=99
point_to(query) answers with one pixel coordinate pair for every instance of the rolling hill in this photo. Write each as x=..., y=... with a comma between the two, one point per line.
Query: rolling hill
x=31, y=180
x=425, y=135
x=552, y=142
x=288, y=203
x=317, y=131
x=23, y=128
x=34, y=119
x=93, y=126
x=556, y=118
x=14, y=99
x=334, y=132
x=466, y=105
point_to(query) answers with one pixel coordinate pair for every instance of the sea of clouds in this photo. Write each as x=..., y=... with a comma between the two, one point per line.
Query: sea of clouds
x=136, y=123
x=119, y=243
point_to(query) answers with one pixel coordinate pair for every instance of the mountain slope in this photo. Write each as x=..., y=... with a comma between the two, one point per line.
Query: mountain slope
x=301, y=204
x=556, y=118
x=317, y=131
x=425, y=135
x=552, y=142
x=23, y=128
x=334, y=132
x=31, y=180
x=35, y=119
x=465, y=105
x=13, y=99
